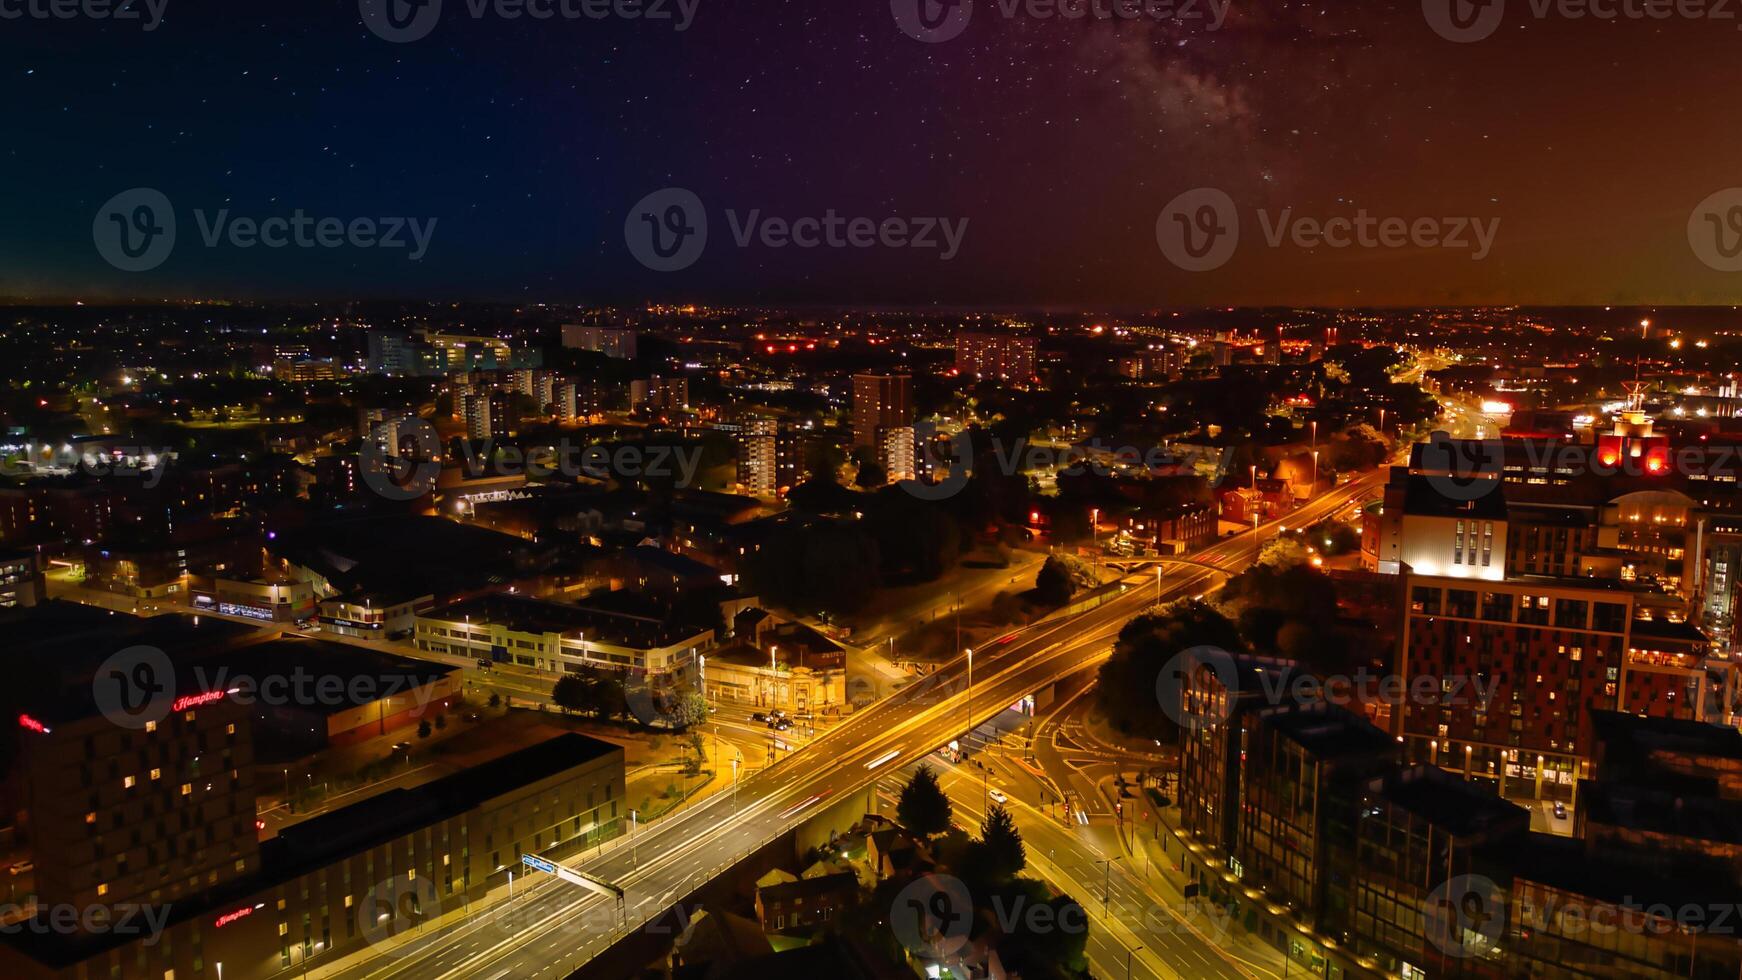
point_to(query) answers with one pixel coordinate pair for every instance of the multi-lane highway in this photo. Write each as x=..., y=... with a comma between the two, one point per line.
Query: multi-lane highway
x=549, y=928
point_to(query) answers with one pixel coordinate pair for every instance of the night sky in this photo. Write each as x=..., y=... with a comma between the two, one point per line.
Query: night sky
x=1059, y=141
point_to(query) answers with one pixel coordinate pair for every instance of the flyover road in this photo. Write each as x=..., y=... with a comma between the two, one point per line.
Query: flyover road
x=549, y=928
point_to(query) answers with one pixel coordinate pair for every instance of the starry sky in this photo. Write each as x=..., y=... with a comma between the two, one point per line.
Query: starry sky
x=1060, y=142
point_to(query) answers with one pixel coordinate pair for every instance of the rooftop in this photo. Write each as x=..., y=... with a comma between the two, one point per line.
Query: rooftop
x=1462, y=807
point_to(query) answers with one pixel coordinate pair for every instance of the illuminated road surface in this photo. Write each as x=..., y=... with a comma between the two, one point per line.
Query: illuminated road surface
x=550, y=928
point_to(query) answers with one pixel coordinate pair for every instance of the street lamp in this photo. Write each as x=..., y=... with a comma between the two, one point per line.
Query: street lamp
x=1106, y=883
x=970, y=653
x=773, y=672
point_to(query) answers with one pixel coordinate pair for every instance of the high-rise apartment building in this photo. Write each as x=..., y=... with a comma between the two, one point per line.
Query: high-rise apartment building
x=757, y=454
x=895, y=451
x=660, y=394
x=476, y=407
x=880, y=401
x=613, y=342
x=998, y=356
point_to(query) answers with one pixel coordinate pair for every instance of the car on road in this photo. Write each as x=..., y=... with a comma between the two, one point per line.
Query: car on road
x=1560, y=810
x=22, y=867
x=998, y=796
x=402, y=746
x=759, y=716
x=780, y=724
x=485, y=663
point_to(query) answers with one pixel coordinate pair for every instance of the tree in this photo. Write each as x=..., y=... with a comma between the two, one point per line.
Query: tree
x=923, y=808
x=1128, y=686
x=1052, y=585
x=871, y=474
x=609, y=698
x=570, y=693
x=423, y=728
x=495, y=700
x=1001, y=843
x=441, y=722
x=688, y=709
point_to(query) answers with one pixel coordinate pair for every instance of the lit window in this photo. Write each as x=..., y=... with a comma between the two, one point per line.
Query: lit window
x=155, y=773
x=127, y=782
x=102, y=890
x=186, y=788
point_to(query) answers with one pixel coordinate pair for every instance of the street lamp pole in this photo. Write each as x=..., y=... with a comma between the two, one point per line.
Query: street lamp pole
x=1106, y=883
x=970, y=653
